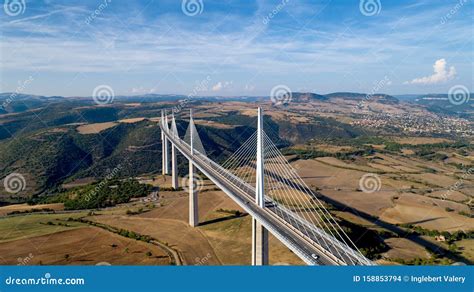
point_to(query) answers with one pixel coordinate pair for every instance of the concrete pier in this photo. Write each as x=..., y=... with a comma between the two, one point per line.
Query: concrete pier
x=174, y=168
x=259, y=244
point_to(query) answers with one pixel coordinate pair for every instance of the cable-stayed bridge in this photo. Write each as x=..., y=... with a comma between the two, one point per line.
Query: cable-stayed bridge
x=260, y=180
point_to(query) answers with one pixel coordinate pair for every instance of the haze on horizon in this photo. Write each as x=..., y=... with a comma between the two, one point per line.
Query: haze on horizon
x=230, y=48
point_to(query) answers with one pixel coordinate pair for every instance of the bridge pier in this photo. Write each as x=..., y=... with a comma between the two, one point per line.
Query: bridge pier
x=193, y=197
x=164, y=155
x=174, y=168
x=193, y=191
x=259, y=244
x=162, y=125
x=162, y=151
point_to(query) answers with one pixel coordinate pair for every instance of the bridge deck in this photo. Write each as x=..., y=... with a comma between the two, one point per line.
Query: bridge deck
x=315, y=247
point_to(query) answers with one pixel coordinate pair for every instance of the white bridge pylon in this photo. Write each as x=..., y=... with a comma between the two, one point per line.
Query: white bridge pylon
x=259, y=232
x=260, y=180
x=164, y=139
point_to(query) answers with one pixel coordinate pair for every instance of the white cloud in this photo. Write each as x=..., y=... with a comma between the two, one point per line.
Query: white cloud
x=221, y=85
x=249, y=87
x=217, y=87
x=440, y=74
x=144, y=46
x=142, y=90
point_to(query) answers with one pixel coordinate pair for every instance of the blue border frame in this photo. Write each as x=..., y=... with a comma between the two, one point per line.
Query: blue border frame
x=239, y=278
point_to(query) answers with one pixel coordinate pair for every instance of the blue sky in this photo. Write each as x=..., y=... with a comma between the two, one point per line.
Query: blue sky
x=233, y=48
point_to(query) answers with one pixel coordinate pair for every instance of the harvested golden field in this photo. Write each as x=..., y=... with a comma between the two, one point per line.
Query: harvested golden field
x=341, y=164
x=25, y=208
x=188, y=241
x=407, y=151
x=231, y=240
x=83, y=246
x=450, y=195
x=467, y=248
x=402, y=248
x=410, y=210
x=99, y=127
x=214, y=124
x=155, y=119
x=411, y=164
x=225, y=238
x=434, y=179
x=221, y=238
x=371, y=203
x=390, y=164
x=169, y=223
x=459, y=160
x=420, y=140
x=131, y=121
x=95, y=128
x=175, y=205
x=391, y=201
x=326, y=176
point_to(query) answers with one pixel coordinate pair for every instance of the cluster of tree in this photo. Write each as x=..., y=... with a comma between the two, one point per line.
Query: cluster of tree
x=449, y=237
x=102, y=194
x=236, y=213
x=466, y=214
x=31, y=211
x=134, y=235
x=122, y=232
x=312, y=153
x=139, y=210
x=431, y=155
x=55, y=224
x=357, y=141
x=428, y=151
x=393, y=146
x=433, y=260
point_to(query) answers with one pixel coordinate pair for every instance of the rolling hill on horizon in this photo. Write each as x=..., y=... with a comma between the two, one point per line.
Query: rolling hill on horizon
x=43, y=137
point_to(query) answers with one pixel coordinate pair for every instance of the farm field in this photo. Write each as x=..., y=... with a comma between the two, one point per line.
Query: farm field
x=80, y=246
x=416, y=193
